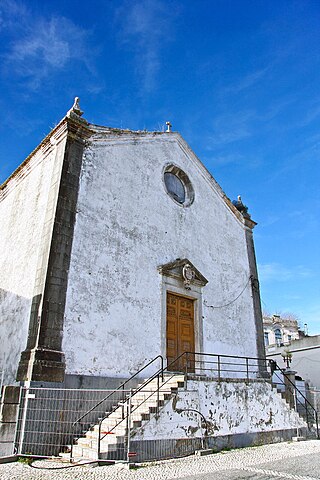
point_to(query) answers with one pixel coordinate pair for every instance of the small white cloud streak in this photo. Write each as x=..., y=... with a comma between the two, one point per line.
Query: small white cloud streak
x=40, y=46
x=247, y=81
x=145, y=28
x=270, y=220
x=275, y=272
x=229, y=128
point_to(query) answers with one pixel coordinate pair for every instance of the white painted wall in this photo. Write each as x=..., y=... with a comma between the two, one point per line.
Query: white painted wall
x=22, y=210
x=305, y=358
x=229, y=408
x=126, y=226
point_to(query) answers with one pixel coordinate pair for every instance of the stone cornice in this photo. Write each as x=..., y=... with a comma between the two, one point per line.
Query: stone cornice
x=76, y=129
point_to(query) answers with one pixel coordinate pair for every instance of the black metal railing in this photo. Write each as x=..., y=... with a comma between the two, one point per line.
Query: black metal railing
x=191, y=364
x=110, y=401
x=300, y=402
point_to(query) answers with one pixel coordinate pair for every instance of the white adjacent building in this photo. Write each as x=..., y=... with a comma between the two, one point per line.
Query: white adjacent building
x=279, y=331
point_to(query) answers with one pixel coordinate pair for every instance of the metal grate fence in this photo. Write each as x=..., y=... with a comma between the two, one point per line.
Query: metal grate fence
x=53, y=420
x=47, y=416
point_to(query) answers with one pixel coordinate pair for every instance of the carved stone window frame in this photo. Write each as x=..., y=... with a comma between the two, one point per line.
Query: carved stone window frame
x=183, y=177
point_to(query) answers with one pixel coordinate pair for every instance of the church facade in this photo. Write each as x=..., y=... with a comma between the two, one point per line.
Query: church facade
x=117, y=246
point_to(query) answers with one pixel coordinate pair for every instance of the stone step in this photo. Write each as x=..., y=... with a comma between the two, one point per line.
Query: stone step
x=152, y=393
x=151, y=387
x=80, y=452
x=144, y=404
x=65, y=456
x=119, y=430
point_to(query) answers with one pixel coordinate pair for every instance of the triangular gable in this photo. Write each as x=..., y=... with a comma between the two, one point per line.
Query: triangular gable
x=185, y=147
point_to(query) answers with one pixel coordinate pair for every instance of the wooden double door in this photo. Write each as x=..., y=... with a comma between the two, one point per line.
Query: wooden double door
x=180, y=332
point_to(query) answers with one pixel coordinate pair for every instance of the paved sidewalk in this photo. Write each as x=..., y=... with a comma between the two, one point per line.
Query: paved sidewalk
x=290, y=460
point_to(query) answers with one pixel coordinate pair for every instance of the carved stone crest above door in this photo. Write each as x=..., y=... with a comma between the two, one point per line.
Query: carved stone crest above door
x=184, y=270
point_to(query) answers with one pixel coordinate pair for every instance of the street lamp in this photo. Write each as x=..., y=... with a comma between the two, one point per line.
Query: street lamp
x=287, y=358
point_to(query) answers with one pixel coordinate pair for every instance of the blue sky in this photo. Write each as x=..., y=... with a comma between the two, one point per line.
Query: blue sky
x=238, y=79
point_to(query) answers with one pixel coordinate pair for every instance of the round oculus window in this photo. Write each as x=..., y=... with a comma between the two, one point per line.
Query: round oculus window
x=178, y=185
x=175, y=187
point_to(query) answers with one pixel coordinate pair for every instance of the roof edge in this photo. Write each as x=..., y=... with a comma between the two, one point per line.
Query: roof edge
x=67, y=124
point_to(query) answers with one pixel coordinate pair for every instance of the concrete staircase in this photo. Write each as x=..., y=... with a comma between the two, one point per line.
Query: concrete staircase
x=305, y=412
x=114, y=428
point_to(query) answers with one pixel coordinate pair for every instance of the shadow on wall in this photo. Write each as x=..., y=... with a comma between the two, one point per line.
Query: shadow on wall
x=14, y=325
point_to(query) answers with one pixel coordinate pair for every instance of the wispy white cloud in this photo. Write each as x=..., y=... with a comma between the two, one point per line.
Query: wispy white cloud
x=269, y=220
x=10, y=13
x=146, y=28
x=247, y=81
x=228, y=159
x=307, y=153
x=230, y=127
x=276, y=272
x=235, y=159
x=38, y=46
x=312, y=114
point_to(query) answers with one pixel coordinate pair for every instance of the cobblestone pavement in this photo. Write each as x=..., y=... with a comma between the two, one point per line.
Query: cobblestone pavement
x=290, y=460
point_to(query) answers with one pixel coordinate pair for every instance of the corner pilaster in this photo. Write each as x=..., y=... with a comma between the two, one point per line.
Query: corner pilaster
x=255, y=287
x=43, y=359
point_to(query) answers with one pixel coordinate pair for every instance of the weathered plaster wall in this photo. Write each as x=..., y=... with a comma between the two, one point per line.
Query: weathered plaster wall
x=228, y=407
x=126, y=226
x=23, y=203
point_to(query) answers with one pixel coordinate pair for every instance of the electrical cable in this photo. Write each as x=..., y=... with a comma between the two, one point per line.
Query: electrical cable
x=61, y=468
x=232, y=301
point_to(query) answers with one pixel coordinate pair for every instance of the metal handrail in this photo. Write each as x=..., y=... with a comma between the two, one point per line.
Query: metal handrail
x=120, y=387
x=161, y=372
x=134, y=409
x=219, y=364
x=302, y=395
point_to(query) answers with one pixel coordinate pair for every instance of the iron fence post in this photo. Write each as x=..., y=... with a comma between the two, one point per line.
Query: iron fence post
x=158, y=392
x=162, y=367
x=219, y=369
x=99, y=440
x=305, y=407
x=24, y=416
x=128, y=425
x=122, y=400
x=247, y=368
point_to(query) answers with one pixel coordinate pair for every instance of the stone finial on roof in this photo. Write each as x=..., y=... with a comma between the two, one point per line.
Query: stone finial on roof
x=75, y=109
x=169, y=126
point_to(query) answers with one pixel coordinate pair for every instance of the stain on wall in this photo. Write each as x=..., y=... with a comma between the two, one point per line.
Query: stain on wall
x=126, y=226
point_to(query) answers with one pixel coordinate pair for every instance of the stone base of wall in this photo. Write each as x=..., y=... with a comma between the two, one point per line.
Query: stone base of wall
x=148, y=450
x=252, y=411
x=85, y=382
